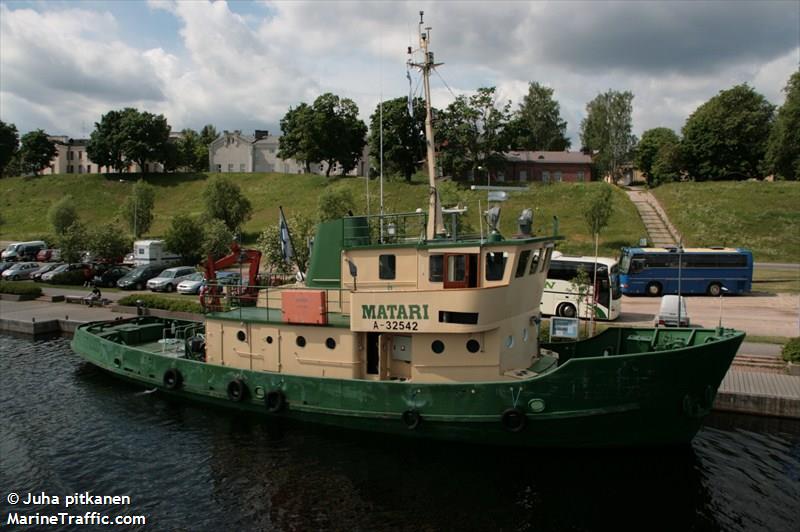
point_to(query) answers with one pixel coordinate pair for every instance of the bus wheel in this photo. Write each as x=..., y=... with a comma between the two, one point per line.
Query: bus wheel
x=654, y=289
x=566, y=310
x=714, y=289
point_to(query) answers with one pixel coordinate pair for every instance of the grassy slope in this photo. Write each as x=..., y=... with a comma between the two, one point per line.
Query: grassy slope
x=24, y=203
x=762, y=216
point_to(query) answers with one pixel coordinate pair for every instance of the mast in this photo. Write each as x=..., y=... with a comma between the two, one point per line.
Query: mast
x=435, y=223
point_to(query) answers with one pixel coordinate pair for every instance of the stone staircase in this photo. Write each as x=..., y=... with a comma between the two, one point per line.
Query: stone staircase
x=660, y=232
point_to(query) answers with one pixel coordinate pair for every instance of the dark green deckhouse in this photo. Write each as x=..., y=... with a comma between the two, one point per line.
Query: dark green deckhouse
x=402, y=327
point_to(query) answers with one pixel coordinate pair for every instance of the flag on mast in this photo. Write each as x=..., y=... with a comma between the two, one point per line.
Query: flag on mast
x=410, y=96
x=286, y=239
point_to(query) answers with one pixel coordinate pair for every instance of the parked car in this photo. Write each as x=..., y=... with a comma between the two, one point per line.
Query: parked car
x=20, y=270
x=110, y=275
x=170, y=278
x=20, y=251
x=128, y=260
x=46, y=255
x=192, y=284
x=668, y=312
x=5, y=265
x=87, y=271
x=37, y=275
x=137, y=278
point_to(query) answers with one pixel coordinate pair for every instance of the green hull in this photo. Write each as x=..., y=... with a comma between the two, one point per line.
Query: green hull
x=656, y=394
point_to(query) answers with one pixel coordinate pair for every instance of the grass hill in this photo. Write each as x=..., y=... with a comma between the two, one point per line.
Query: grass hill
x=761, y=216
x=24, y=202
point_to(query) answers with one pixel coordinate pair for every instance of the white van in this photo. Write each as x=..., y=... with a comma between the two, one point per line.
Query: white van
x=152, y=252
x=668, y=313
x=23, y=250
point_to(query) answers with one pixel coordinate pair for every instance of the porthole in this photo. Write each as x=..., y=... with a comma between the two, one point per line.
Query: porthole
x=437, y=347
x=473, y=346
x=510, y=341
x=241, y=336
x=268, y=339
x=330, y=343
x=301, y=341
x=525, y=334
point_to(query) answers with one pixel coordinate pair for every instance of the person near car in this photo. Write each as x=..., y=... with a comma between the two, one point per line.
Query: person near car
x=95, y=295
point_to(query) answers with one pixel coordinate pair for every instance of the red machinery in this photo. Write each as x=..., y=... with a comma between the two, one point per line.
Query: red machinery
x=213, y=290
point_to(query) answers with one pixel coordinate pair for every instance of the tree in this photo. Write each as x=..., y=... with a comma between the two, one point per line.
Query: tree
x=9, y=144
x=36, y=151
x=302, y=231
x=207, y=135
x=297, y=136
x=108, y=242
x=145, y=136
x=607, y=129
x=223, y=200
x=105, y=142
x=783, y=148
x=727, y=136
x=579, y=285
x=403, y=136
x=217, y=238
x=473, y=134
x=537, y=124
x=137, y=210
x=657, y=155
x=333, y=204
x=597, y=216
x=62, y=215
x=190, y=155
x=73, y=242
x=185, y=236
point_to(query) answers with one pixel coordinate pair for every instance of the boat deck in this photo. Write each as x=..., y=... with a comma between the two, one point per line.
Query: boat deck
x=272, y=315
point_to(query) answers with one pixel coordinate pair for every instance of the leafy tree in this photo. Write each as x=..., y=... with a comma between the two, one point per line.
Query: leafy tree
x=207, y=135
x=105, y=142
x=581, y=286
x=297, y=136
x=473, y=134
x=537, y=124
x=217, y=238
x=9, y=144
x=137, y=210
x=783, y=149
x=169, y=156
x=73, y=242
x=108, y=242
x=597, y=216
x=224, y=201
x=63, y=214
x=145, y=136
x=607, y=129
x=403, y=136
x=333, y=204
x=302, y=230
x=658, y=148
x=192, y=155
x=14, y=166
x=36, y=151
x=186, y=236
x=727, y=136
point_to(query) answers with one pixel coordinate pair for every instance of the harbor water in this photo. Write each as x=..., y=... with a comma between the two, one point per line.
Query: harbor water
x=69, y=428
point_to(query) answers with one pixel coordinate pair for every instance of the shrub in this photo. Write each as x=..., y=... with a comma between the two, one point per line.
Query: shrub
x=62, y=214
x=21, y=289
x=162, y=303
x=791, y=351
x=74, y=277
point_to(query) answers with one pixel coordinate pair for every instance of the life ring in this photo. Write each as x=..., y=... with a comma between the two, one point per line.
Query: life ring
x=275, y=401
x=237, y=390
x=412, y=419
x=172, y=379
x=514, y=419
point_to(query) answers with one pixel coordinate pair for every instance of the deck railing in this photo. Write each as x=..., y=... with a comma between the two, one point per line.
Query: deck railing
x=384, y=229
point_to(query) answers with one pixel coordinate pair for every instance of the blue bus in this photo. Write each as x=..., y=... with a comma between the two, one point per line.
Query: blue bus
x=655, y=271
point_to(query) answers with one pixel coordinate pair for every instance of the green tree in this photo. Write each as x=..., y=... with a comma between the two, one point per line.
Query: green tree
x=9, y=144
x=581, y=286
x=335, y=203
x=186, y=236
x=597, y=216
x=105, y=142
x=403, y=136
x=727, y=136
x=189, y=151
x=137, y=210
x=537, y=124
x=145, y=136
x=607, y=129
x=73, y=242
x=473, y=134
x=302, y=231
x=783, y=148
x=658, y=148
x=62, y=215
x=36, y=151
x=223, y=200
x=298, y=136
x=207, y=135
x=217, y=238
x=108, y=242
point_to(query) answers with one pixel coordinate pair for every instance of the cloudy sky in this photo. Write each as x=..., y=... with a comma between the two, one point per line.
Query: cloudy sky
x=242, y=64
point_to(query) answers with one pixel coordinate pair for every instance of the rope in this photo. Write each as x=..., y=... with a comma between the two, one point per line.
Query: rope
x=515, y=399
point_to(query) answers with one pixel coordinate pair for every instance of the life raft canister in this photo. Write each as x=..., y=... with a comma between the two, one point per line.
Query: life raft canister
x=275, y=401
x=237, y=390
x=514, y=420
x=173, y=379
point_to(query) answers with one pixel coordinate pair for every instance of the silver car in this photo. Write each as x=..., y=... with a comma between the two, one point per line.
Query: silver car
x=192, y=284
x=170, y=278
x=21, y=270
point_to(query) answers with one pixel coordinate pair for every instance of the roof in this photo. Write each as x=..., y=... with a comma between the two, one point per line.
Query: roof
x=562, y=157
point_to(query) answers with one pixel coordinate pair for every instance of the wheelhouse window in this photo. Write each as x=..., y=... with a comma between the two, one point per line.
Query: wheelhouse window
x=535, y=260
x=456, y=268
x=387, y=267
x=436, y=268
x=522, y=263
x=460, y=270
x=495, y=265
x=546, y=260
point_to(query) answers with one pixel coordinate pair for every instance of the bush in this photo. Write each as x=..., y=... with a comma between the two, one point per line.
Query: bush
x=74, y=277
x=791, y=351
x=162, y=303
x=20, y=289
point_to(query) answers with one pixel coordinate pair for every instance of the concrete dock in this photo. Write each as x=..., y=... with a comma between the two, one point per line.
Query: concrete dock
x=747, y=388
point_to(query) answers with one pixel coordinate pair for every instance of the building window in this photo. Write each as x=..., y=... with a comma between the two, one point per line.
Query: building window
x=70, y=155
x=218, y=167
x=580, y=177
x=386, y=266
x=230, y=167
x=80, y=168
x=80, y=155
x=436, y=268
x=557, y=177
x=69, y=168
x=88, y=168
x=545, y=177
x=241, y=167
x=523, y=175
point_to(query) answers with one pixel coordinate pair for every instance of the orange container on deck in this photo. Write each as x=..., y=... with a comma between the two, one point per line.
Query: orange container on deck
x=304, y=306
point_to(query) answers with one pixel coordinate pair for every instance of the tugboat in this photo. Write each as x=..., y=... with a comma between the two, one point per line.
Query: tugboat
x=401, y=328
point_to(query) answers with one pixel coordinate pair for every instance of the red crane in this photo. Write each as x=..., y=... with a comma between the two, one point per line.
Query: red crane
x=212, y=290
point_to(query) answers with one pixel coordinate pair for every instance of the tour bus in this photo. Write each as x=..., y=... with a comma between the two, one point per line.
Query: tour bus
x=657, y=271
x=560, y=299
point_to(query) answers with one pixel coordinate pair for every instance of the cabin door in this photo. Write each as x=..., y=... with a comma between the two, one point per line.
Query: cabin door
x=378, y=352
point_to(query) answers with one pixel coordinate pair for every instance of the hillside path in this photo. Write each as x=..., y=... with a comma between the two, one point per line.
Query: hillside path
x=660, y=232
